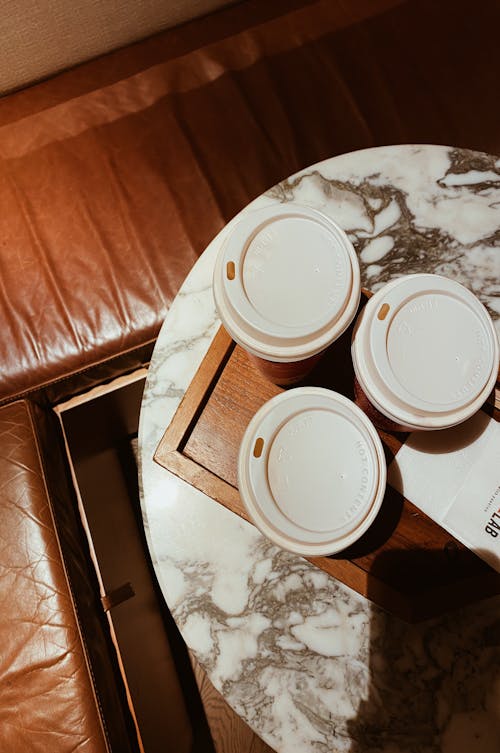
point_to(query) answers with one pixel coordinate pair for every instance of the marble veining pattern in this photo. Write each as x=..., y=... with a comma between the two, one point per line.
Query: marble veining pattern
x=435, y=211
x=308, y=663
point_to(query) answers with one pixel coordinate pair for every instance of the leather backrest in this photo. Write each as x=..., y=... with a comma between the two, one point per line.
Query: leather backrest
x=115, y=176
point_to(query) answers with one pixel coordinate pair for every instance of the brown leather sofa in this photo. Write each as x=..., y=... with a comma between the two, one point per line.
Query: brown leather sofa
x=114, y=176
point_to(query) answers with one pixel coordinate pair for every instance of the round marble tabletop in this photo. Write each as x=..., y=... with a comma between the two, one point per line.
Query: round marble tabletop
x=309, y=664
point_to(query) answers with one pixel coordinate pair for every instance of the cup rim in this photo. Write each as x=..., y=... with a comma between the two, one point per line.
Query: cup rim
x=242, y=330
x=258, y=503
x=393, y=403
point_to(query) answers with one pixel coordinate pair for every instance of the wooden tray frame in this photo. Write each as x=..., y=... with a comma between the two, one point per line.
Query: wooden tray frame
x=170, y=455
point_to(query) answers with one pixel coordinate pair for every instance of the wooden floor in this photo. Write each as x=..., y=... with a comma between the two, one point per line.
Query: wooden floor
x=230, y=734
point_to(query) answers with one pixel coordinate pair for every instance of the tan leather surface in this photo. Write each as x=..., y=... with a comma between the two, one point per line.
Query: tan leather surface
x=49, y=700
x=114, y=177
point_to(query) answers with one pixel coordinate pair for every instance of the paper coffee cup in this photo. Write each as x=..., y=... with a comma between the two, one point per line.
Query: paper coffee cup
x=286, y=285
x=425, y=352
x=311, y=471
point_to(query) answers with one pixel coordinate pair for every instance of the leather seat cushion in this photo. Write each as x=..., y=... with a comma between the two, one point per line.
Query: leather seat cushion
x=116, y=175
x=58, y=683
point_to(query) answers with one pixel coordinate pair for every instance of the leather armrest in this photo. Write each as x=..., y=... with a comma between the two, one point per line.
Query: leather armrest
x=60, y=690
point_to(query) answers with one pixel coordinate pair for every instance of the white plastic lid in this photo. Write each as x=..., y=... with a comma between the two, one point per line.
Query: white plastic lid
x=425, y=351
x=311, y=471
x=286, y=282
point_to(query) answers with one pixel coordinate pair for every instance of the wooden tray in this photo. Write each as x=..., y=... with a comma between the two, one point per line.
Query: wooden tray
x=405, y=563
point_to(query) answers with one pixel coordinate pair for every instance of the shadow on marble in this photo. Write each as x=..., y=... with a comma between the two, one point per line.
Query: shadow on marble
x=434, y=687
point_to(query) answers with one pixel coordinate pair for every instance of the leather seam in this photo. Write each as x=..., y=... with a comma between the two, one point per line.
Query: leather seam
x=78, y=372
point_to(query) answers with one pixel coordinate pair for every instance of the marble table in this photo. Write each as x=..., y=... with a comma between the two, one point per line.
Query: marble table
x=306, y=662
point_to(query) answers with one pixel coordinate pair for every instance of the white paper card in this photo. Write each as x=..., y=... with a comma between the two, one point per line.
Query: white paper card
x=454, y=477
